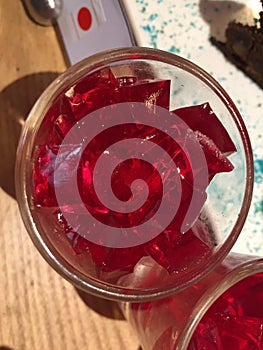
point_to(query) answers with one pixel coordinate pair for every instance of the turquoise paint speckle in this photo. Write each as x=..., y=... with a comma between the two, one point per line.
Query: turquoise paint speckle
x=258, y=166
x=259, y=207
x=174, y=49
x=153, y=16
x=153, y=32
x=147, y=28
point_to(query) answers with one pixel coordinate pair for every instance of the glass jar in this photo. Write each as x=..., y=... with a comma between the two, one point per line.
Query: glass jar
x=134, y=164
x=222, y=311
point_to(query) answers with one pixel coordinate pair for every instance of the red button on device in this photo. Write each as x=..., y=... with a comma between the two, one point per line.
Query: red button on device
x=84, y=18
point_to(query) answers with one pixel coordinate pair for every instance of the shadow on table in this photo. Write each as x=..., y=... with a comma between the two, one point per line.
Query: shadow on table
x=219, y=13
x=103, y=307
x=16, y=100
x=8, y=348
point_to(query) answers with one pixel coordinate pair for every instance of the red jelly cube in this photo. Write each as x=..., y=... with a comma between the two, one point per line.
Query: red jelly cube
x=202, y=118
x=154, y=93
x=217, y=162
x=173, y=250
x=93, y=92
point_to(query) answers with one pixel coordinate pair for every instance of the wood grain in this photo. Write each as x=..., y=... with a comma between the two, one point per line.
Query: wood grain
x=38, y=309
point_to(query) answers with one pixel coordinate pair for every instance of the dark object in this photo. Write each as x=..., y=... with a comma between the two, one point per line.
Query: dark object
x=244, y=48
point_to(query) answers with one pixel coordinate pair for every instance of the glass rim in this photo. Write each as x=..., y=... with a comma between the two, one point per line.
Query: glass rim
x=51, y=255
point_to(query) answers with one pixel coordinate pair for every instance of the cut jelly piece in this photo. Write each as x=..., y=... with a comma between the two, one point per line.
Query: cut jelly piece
x=174, y=251
x=58, y=116
x=154, y=93
x=100, y=89
x=217, y=162
x=44, y=178
x=63, y=123
x=111, y=259
x=211, y=338
x=202, y=118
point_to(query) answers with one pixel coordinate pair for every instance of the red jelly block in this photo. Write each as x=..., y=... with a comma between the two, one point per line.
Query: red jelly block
x=171, y=249
x=154, y=93
x=49, y=131
x=97, y=90
x=217, y=162
x=202, y=118
x=43, y=178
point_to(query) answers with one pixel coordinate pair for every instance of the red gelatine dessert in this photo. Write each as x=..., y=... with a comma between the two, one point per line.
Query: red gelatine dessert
x=235, y=320
x=171, y=247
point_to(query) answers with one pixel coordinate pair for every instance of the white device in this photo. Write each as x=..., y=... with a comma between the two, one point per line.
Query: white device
x=90, y=26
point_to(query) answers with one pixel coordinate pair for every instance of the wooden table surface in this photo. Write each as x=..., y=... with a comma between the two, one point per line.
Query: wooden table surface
x=38, y=309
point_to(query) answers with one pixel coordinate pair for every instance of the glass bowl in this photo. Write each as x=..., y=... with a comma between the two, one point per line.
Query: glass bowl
x=221, y=311
x=134, y=174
